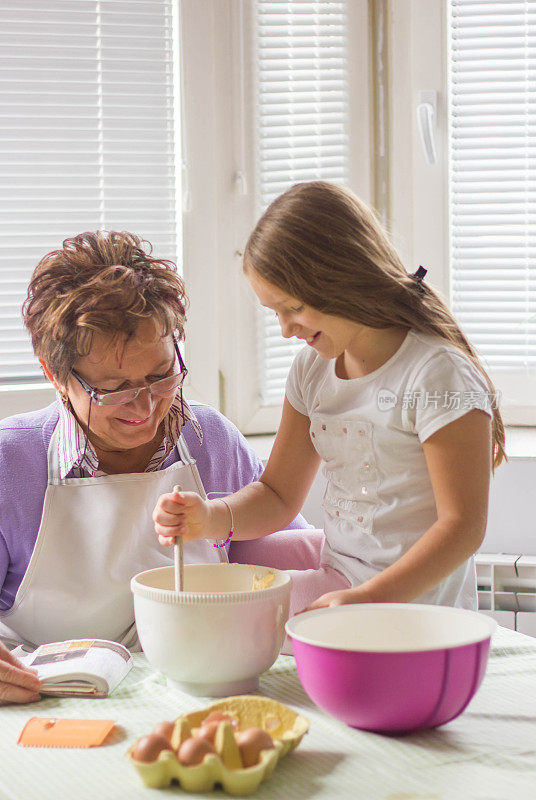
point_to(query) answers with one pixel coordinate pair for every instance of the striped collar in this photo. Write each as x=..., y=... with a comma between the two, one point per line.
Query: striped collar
x=78, y=459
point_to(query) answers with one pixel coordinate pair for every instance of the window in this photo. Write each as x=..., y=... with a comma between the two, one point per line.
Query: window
x=273, y=93
x=288, y=90
x=301, y=131
x=492, y=62
x=88, y=139
x=470, y=217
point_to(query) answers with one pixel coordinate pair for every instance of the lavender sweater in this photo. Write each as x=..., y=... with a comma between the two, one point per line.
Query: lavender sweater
x=225, y=462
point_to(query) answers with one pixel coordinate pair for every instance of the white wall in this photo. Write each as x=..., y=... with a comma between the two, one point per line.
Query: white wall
x=512, y=519
x=17, y=400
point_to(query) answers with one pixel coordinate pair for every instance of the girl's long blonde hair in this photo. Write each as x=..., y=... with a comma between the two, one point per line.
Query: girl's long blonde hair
x=321, y=244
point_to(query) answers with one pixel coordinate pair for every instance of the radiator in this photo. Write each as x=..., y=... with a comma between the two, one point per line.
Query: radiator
x=507, y=589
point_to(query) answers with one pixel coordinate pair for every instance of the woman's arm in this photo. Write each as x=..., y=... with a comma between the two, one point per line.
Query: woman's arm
x=458, y=457
x=260, y=508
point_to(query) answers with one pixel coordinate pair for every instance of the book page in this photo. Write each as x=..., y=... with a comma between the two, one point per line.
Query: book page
x=97, y=661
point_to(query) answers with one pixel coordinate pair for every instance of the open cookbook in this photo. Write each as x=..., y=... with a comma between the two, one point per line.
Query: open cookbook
x=78, y=667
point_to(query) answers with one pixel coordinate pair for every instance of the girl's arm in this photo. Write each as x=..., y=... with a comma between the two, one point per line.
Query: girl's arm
x=260, y=508
x=458, y=457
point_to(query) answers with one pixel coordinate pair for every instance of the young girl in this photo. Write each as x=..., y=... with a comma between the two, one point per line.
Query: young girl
x=387, y=393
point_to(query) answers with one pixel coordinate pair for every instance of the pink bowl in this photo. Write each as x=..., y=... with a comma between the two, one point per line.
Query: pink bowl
x=391, y=667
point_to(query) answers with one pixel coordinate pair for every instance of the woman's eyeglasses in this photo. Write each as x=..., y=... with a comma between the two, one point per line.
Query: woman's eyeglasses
x=165, y=387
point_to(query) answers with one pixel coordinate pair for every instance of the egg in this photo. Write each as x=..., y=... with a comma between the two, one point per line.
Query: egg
x=250, y=743
x=208, y=730
x=165, y=729
x=219, y=716
x=148, y=748
x=193, y=751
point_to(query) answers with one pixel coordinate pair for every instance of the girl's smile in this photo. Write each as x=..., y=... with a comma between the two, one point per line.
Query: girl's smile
x=329, y=335
x=359, y=349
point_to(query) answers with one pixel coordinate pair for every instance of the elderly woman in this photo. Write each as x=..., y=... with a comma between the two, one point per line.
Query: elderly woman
x=81, y=477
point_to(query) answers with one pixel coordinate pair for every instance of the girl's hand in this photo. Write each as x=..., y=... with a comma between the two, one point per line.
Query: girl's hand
x=183, y=514
x=18, y=684
x=341, y=597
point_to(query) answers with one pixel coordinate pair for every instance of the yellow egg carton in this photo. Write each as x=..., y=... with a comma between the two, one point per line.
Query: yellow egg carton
x=225, y=767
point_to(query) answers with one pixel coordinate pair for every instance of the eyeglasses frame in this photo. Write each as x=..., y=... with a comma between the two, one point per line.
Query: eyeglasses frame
x=96, y=396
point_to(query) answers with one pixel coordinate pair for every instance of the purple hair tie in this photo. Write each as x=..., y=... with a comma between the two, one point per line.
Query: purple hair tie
x=418, y=278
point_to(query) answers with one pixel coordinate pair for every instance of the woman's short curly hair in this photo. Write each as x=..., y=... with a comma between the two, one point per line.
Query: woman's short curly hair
x=99, y=282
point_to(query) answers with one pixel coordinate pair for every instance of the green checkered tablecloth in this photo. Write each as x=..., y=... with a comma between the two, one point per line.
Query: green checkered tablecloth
x=488, y=753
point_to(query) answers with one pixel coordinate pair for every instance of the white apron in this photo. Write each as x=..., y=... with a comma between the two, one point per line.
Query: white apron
x=95, y=534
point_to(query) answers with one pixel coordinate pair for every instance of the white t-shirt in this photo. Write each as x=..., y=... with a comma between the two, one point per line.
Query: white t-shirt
x=369, y=433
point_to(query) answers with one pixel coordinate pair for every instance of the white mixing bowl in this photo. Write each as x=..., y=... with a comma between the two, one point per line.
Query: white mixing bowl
x=217, y=636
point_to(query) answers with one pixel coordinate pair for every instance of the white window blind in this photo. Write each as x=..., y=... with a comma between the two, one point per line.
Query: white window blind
x=302, y=123
x=87, y=138
x=493, y=178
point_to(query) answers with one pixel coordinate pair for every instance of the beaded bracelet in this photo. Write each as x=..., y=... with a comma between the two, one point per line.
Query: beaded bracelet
x=232, y=525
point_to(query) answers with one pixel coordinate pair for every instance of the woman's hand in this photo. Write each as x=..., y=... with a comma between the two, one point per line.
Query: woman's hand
x=18, y=684
x=183, y=514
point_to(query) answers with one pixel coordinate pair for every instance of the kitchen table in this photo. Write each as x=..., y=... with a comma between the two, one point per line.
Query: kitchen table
x=488, y=753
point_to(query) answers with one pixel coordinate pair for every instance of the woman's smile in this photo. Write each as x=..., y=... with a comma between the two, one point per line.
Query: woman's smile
x=133, y=421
